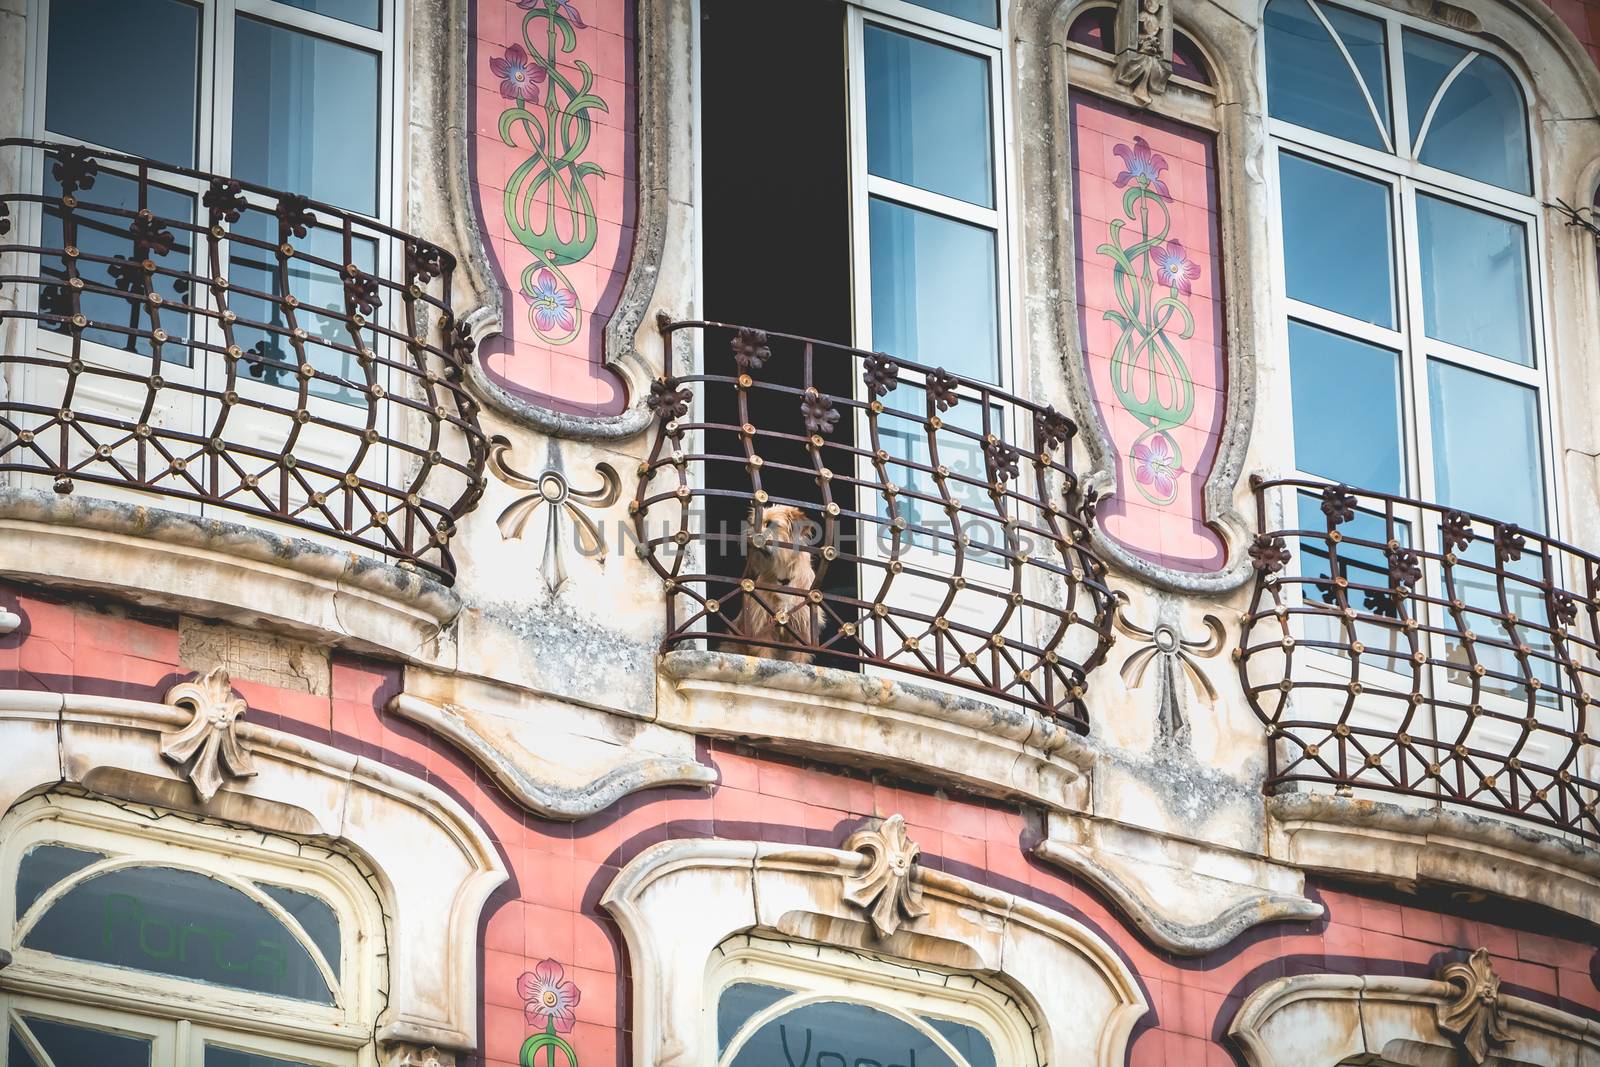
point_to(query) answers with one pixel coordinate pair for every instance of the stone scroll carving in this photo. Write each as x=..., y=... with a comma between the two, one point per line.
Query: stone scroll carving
x=208, y=749
x=886, y=890
x=1473, y=1015
x=1144, y=47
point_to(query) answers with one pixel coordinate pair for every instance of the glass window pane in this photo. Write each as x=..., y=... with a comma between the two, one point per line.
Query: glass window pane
x=70, y=1045
x=983, y=12
x=217, y=1056
x=17, y=1054
x=1363, y=562
x=1486, y=454
x=1479, y=127
x=361, y=12
x=1309, y=82
x=1475, y=289
x=834, y=1032
x=305, y=115
x=315, y=917
x=740, y=1003
x=124, y=74
x=1346, y=409
x=935, y=297
x=1337, y=240
x=102, y=230
x=966, y=1040
x=928, y=116
x=43, y=867
x=182, y=924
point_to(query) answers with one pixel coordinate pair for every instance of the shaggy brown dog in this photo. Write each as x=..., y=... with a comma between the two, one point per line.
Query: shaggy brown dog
x=772, y=560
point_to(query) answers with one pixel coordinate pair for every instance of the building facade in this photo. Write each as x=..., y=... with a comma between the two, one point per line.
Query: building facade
x=827, y=533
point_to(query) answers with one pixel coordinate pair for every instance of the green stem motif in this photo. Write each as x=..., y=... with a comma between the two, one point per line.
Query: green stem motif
x=548, y=205
x=1150, y=276
x=551, y=1043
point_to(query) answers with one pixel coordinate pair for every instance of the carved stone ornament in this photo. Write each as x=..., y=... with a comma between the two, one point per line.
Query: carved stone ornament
x=552, y=489
x=416, y=1056
x=886, y=890
x=1473, y=1016
x=208, y=749
x=1144, y=46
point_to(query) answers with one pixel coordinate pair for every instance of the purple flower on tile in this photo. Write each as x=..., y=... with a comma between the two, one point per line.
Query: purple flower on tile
x=1155, y=466
x=1174, y=267
x=548, y=995
x=552, y=303
x=1141, y=164
x=519, y=76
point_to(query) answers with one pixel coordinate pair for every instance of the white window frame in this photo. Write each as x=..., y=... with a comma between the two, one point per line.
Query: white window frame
x=822, y=973
x=180, y=1015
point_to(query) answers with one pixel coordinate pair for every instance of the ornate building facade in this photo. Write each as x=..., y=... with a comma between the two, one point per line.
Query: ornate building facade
x=826, y=533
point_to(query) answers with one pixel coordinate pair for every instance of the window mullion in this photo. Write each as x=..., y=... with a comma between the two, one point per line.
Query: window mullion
x=1415, y=408
x=1399, y=100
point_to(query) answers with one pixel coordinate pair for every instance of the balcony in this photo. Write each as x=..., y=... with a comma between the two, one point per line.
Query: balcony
x=174, y=337
x=1395, y=648
x=817, y=504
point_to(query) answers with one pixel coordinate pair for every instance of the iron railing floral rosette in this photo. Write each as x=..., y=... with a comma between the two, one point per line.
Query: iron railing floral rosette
x=1398, y=646
x=946, y=532
x=233, y=347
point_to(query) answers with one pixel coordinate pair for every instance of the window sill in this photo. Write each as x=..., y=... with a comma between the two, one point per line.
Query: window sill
x=221, y=570
x=926, y=734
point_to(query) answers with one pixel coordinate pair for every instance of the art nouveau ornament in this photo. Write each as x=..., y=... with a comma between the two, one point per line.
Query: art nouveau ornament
x=1473, y=1018
x=886, y=890
x=1144, y=46
x=552, y=488
x=208, y=750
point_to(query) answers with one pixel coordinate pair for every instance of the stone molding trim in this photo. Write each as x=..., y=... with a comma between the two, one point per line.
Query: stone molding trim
x=1394, y=843
x=928, y=734
x=664, y=36
x=887, y=890
x=1337, y=1018
x=222, y=570
x=208, y=750
x=678, y=900
x=1188, y=897
x=540, y=794
x=434, y=865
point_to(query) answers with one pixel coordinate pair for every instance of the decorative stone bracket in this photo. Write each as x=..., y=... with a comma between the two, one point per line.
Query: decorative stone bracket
x=208, y=749
x=403, y=1055
x=1144, y=46
x=887, y=889
x=1473, y=1017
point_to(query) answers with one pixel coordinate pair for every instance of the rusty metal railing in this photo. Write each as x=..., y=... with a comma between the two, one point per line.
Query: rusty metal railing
x=1399, y=646
x=231, y=348
x=812, y=502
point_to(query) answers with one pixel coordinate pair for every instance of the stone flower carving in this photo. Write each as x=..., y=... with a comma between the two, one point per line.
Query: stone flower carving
x=886, y=890
x=1144, y=46
x=1473, y=1016
x=208, y=749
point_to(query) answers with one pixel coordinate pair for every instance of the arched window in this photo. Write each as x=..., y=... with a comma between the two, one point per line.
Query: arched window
x=145, y=941
x=778, y=1002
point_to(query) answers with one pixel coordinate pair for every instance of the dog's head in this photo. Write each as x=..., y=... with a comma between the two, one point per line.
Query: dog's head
x=775, y=547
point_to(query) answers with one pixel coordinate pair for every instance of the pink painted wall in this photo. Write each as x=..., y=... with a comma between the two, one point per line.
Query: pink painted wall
x=553, y=170
x=1150, y=315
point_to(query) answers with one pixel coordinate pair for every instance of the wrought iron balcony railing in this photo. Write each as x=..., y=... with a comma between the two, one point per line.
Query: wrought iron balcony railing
x=230, y=348
x=811, y=502
x=1398, y=646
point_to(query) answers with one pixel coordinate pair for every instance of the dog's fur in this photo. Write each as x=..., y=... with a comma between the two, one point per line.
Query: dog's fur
x=772, y=559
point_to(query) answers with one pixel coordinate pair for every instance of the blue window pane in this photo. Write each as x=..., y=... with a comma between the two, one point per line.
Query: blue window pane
x=17, y=1054
x=1309, y=82
x=124, y=74
x=935, y=297
x=1486, y=454
x=1479, y=126
x=100, y=227
x=983, y=12
x=217, y=1056
x=1346, y=409
x=1337, y=240
x=182, y=924
x=928, y=120
x=305, y=115
x=361, y=12
x=965, y=1040
x=43, y=867
x=69, y=1045
x=740, y=1003
x=315, y=917
x=833, y=1033
x=1475, y=289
